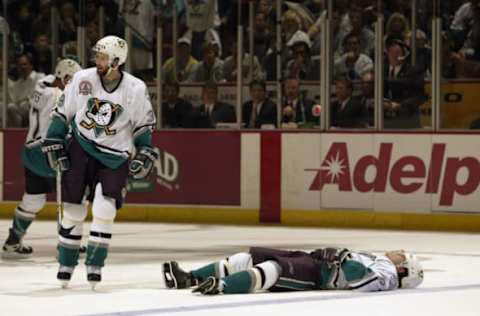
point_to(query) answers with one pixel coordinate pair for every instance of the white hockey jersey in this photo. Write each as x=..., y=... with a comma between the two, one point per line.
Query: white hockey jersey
x=42, y=102
x=378, y=273
x=107, y=124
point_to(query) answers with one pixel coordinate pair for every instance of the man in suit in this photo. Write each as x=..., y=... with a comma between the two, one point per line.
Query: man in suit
x=347, y=111
x=211, y=112
x=403, y=88
x=174, y=110
x=296, y=108
x=259, y=110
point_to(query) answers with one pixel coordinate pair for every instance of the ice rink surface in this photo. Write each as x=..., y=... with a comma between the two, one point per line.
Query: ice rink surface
x=132, y=283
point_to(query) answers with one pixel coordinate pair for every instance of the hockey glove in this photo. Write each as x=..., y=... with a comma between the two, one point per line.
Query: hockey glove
x=56, y=155
x=142, y=164
x=330, y=256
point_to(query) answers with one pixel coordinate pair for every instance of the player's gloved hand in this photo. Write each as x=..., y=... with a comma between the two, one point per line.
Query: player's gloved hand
x=56, y=154
x=142, y=164
x=330, y=256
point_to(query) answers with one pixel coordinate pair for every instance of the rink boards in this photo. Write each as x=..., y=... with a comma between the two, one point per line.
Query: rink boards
x=342, y=179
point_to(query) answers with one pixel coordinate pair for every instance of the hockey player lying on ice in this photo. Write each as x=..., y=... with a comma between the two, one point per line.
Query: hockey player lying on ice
x=280, y=270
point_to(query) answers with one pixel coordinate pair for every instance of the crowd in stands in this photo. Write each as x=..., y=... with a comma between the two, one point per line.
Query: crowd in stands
x=206, y=48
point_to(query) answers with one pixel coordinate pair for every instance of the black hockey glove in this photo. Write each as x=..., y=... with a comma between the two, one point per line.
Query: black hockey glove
x=330, y=256
x=142, y=164
x=56, y=154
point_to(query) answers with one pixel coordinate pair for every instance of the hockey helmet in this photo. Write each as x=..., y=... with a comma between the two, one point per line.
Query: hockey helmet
x=413, y=276
x=65, y=69
x=114, y=47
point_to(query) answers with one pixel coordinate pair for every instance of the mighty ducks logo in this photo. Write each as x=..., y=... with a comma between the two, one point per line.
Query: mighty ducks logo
x=101, y=115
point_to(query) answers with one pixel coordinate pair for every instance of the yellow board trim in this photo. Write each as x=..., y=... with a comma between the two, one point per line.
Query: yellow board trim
x=382, y=220
x=149, y=213
x=324, y=218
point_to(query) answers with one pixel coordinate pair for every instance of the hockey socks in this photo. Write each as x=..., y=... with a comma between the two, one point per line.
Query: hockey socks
x=261, y=277
x=70, y=237
x=240, y=282
x=212, y=269
x=21, y=222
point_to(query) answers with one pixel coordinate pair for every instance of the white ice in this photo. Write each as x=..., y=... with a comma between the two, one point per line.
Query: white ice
x=132, y=282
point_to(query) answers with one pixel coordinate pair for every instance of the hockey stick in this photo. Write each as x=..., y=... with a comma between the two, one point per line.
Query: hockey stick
x=59, y=198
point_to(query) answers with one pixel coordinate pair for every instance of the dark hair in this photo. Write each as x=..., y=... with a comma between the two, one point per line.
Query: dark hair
x=257, y=82
x=347, y=82
x=27, y=55
x=395, y=41
x=349, y=36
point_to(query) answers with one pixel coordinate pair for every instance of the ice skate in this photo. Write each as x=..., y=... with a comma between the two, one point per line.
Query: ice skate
x=64, y=275
x=94, y=276
x=14, y=248
x=176, y=278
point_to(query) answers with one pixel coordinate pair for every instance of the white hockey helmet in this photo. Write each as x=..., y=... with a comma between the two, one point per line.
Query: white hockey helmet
x=414, y=272
x=114, y=47
x=65, y=69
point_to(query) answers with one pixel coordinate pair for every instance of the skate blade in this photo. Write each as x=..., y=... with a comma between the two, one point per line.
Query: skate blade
x=64, y=284
x=7, y=255
x=93, y=285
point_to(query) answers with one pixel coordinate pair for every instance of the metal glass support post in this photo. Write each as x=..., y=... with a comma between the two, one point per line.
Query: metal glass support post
x=328, y=64
x=239, y=65
x=413, y=40
x=54, y=29
x=379, y=31
x=159, y=73
x=174, y=39
x=324, y=71
x=81, y=42
x=279, y=61
x=101, y=20
x=436, y=65
x=5, y=31
x=251, y=13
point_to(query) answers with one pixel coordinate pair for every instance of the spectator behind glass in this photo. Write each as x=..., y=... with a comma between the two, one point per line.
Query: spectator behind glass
x=302, y=65
x=397, y=27
x=262, y=36
x=267, y=7
x=347, y=111
x=463, y=18
x=69, y=21
x=260, y=110
x=404, y=88
x=22, y=18
x=296, y=108
x=367, y=98
x=202, y=15
x=210, y=69
x=361, y=30
x=20, y=91
x=471, y=47
x=41, y=54
x=185, y=62
x=139, y=14
x=353, y=64
x=211, y=111
x=230, y=66
x=42, y=19
x=174, y=110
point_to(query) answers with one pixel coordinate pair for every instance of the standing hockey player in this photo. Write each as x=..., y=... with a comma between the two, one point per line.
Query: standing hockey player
x=280, y=270
x=110, y=114
x=39, y=177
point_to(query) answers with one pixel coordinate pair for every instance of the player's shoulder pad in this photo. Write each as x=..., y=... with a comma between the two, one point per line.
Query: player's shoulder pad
x=85, y=73
x=134, y=83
